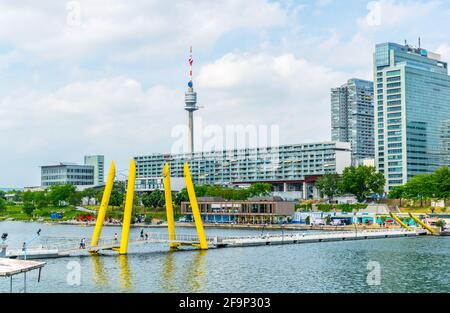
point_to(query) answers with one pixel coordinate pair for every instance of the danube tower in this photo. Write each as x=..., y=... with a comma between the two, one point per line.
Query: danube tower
x=191, y=104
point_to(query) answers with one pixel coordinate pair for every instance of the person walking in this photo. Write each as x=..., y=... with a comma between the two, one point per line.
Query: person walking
x=142, y=234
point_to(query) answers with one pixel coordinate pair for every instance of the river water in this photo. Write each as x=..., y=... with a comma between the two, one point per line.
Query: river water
x=419, y=264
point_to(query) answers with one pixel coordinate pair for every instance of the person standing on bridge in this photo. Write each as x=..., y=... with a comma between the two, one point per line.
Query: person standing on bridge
x=83, y=243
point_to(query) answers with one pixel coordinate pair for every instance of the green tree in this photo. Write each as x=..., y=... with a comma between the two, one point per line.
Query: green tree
x=420, y=187
x=75, y=198
x=441, y=183
x=146, y=201
x=118, y=194
x=2, y=205
x=155, y=199
x=59, y=195
x=398, y=192
x=329, y=185
x=28, y=197
x=259, y=190
x=28, y=208
x=361, y=181
x=181, y=196
x=40, y=199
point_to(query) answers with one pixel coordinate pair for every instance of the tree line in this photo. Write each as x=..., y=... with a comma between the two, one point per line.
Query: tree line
x=359, y=181
x=63, y=195
x=424, y=187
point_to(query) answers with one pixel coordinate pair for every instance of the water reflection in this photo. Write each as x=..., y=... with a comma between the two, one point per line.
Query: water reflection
x=195, y=272
x=99, y=276
x=167, y=283
x=125, y=274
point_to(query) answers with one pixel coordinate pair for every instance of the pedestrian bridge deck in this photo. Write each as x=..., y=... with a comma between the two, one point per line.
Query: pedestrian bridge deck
x=60, y=247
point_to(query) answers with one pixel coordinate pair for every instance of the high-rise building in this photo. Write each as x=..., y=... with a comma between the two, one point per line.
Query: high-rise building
x=98, y=162
x=412, y=111
x=352, y=118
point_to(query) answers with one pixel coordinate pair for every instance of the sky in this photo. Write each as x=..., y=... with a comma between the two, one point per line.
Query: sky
x=109, y=76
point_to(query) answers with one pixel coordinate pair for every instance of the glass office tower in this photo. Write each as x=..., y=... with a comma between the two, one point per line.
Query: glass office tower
x=412, y=112
x=352, y=117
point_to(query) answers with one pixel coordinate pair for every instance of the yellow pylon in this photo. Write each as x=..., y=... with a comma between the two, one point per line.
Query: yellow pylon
x=194, y=206
x=128, y=209
x=169, y=206
x=104, y=205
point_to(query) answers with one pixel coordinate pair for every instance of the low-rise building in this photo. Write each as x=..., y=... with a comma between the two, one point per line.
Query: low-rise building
x=257, y=210
x=67, y=173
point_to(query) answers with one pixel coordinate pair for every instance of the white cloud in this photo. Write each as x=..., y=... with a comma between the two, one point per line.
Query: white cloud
x=134, y=29
x=444, y=51
x=270, y=89
x=114, y=116
x=389, y=13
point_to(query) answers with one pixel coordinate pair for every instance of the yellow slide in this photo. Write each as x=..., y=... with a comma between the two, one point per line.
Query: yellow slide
x=399, y=221
x=418, y=221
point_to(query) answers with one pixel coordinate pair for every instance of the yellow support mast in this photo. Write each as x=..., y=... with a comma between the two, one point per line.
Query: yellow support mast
x=169, y=207
x=418, y=221
x=194, y=206
x=104, y=205
x=128, y=209
x=399, y=221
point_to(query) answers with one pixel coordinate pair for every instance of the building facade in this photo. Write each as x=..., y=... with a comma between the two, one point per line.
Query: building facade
x=412, y=112
x=287, y=167
x=352, y=118
x=258, y=210
x=67, y=173
x=98, y=162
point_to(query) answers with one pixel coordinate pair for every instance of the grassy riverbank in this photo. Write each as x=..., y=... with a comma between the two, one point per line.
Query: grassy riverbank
x=17, y=213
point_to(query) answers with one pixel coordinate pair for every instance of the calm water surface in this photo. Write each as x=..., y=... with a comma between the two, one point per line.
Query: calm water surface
x=407, y=265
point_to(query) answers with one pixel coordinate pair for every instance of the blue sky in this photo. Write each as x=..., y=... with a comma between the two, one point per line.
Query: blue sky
x=112, y=82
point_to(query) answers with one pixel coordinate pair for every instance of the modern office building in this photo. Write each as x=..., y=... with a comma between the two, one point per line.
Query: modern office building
x=98, y=162
x=289, y=168
x=352, y=118
x=67, y=173
x=412, y=112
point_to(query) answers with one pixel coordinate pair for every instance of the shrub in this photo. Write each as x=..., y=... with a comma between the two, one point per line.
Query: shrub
x=440, y=223
x=325, y=207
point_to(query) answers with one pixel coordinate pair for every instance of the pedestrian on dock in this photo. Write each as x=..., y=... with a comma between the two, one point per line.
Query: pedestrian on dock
x=83, y=243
